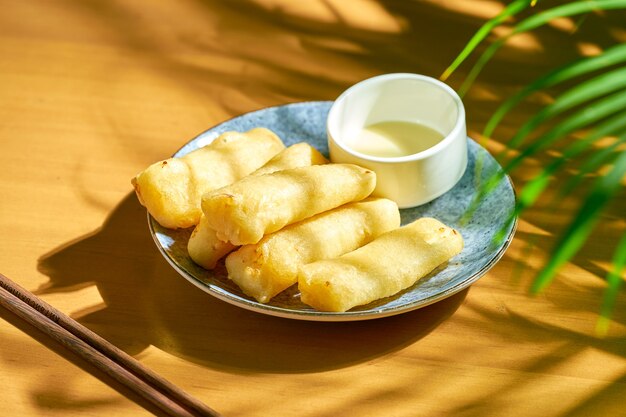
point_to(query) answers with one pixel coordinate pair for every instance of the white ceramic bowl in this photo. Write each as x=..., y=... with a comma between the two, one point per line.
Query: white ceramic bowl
x=409, y=180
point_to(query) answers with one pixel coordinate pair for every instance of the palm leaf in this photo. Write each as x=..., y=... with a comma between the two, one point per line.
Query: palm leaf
x=614, y=279
x=600, y=109
x=593, y=113
x=582, y=93
x=595, y=161
x=533, y=22
x=579, y=94
x=581, y=226
x=610, y=57
x=510, y=10
x=578, y=120
x=535, y=187
x=601, y=102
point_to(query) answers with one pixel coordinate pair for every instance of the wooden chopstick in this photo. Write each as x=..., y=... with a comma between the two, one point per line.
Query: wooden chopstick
x=100, y=353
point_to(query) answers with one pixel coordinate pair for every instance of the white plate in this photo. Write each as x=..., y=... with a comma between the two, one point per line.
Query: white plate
x=307, y=122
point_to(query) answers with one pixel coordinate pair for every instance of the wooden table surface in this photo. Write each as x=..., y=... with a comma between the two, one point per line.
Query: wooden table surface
x=91, y=92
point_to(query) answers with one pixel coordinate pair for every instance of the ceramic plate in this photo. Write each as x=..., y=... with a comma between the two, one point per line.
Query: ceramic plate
x=307, y=122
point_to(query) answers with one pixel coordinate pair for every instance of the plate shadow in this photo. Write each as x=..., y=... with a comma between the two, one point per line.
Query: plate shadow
x=147, y=303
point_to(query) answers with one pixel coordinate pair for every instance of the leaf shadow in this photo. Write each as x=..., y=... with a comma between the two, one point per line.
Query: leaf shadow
x=48, y=394
x=547, y=351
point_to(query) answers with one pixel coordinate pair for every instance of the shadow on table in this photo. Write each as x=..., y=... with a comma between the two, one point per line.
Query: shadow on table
x=148, y=303
x=549, y=347
x=46, y=392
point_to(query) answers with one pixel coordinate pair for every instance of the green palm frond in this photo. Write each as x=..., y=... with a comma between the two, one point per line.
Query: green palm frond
x=580, y=94
x=607, y=59
x=535, y=187
x=584, y=117
x=581, y=226
x=593, y=108
x=509, y=11
x=614, y=280
x=533, y=22
x=595, y=162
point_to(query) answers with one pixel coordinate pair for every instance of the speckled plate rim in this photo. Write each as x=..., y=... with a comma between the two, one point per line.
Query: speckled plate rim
x=313, y=315
x=310, y=315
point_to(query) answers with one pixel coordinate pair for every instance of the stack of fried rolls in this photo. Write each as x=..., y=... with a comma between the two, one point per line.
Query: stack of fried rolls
x=204, y=247
x=290, y=217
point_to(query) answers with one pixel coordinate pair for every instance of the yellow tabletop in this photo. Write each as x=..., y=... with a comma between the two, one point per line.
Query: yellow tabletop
x=91, y=92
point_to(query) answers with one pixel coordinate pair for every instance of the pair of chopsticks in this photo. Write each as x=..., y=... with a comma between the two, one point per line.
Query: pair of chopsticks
x=100, y=353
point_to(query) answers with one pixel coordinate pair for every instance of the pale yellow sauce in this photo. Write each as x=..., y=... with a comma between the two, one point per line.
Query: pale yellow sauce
x=395, y=138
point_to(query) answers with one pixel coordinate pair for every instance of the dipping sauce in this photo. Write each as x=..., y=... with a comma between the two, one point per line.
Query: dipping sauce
x=392, y=139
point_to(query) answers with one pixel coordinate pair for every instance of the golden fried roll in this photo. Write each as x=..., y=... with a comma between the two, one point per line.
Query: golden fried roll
x=271, y=266
x=390, y=263
x=299, y=155
x=243, y=212
x=171, y=189
x=204, y=247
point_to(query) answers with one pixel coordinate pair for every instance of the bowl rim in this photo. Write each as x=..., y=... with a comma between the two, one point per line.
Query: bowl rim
x=459, y=129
